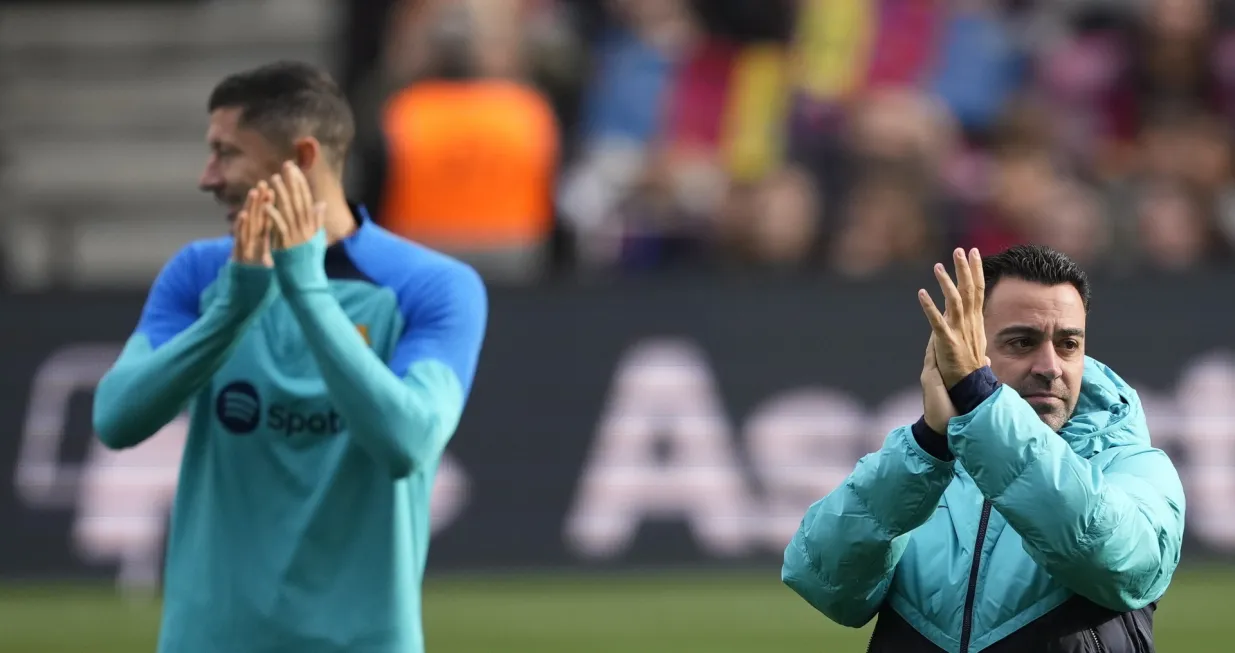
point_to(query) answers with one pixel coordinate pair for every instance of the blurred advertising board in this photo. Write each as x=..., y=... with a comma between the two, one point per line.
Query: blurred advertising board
x=645, y=424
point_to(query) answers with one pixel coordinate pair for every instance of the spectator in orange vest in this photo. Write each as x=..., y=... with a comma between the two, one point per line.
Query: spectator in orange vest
x=466, y=163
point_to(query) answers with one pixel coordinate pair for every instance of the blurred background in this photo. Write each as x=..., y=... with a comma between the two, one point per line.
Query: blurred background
x=702, y=222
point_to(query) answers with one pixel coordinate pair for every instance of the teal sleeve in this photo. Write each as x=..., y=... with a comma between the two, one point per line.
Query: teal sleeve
x=174, y=352
x=843, y=556
x=404, y=422
x=1110, y=533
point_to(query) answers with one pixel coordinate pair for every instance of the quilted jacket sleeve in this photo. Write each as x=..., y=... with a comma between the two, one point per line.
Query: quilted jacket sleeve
x=842, y=558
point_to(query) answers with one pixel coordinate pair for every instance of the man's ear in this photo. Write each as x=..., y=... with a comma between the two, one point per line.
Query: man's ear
x=307, y=153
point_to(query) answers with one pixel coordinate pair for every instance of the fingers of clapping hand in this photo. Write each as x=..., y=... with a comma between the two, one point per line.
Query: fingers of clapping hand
x=964, y=277
x=929, y=364
x=295, y=216
x=979, y=279
x=958, y=333
x=962, y=298
x=282, y=213
x=238, y=225
x=932, y=312
x=312, y=213
x=246, y=231
x=298, y=188
x=970, y=281
x=259, y=222
x=953, y=304
x=287, y=205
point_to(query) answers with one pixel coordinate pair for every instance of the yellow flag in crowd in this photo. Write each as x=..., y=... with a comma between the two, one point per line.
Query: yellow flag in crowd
x=833, y=45
x=755, y=112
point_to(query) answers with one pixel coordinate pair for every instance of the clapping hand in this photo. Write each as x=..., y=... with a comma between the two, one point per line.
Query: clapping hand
x=251, y=231
x=295, y=216
x=959, y=333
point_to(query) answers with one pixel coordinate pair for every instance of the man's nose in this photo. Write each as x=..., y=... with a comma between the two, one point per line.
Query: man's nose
x=210, y=180
x=1047, y=364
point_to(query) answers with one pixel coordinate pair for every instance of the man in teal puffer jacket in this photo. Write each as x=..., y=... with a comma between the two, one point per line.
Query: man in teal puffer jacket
x=1027, y=511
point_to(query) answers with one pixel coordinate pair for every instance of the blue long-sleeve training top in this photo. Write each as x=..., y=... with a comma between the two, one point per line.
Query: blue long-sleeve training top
x=321, y=395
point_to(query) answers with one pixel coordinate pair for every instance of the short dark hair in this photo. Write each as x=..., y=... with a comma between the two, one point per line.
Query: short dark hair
x=1036, y=264
x=286, y=100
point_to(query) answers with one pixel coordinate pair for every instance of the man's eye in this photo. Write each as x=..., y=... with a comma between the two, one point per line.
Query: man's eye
x=1071, y=345
x=1021, y=343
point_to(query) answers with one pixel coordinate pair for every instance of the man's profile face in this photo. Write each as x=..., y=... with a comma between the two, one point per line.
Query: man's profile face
x=239, y=158
x=1035, y=338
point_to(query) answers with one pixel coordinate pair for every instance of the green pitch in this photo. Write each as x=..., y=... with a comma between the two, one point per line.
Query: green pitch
x=598, y=614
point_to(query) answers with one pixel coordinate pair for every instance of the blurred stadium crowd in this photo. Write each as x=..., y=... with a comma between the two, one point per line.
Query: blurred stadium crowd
x=851, y=136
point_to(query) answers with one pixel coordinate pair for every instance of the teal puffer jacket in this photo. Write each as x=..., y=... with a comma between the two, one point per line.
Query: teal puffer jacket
x=1093, y=510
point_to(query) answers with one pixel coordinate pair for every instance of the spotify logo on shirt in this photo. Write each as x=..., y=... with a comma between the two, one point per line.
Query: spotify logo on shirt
x=239, y=409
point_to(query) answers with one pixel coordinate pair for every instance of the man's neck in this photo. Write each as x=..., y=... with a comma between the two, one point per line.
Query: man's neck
x=340, y=222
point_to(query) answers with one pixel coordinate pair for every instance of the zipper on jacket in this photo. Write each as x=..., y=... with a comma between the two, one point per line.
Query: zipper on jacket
x=1097, y=643
x=870, y=645
x=967, y=619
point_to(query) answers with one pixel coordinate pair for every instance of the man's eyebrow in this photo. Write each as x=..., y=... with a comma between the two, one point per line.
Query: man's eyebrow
x=1025, y=330
x=1020, y=330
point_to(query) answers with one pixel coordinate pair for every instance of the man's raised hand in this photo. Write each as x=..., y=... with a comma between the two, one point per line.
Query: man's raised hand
x=251, y=232
x=960, y=331
x=937, y=406
x=295, y=216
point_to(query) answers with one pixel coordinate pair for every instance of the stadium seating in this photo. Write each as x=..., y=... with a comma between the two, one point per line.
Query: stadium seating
x=102, y=113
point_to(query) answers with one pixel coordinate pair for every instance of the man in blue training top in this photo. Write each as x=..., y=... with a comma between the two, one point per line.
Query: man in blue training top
x=325, y=364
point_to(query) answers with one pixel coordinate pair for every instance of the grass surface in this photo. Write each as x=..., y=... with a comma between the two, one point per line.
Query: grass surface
x=592, y=614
